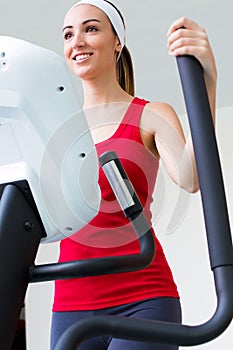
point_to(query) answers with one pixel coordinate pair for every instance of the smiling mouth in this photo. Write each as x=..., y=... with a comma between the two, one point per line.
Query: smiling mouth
x=82, y=57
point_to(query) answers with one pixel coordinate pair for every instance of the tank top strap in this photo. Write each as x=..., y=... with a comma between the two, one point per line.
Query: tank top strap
x=134, y=112
x=130, y=120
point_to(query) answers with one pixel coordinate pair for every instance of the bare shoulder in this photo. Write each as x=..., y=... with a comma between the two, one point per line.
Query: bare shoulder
x=159, y=107
x=159, y=121
x=163, y=110
x=157, y=114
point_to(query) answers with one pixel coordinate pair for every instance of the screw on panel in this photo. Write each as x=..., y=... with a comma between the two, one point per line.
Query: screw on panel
x=28, y=226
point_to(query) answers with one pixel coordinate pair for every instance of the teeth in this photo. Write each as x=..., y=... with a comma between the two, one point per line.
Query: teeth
x=82, y=57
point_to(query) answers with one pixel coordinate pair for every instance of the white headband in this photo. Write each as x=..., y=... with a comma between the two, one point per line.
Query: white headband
x=112, y=14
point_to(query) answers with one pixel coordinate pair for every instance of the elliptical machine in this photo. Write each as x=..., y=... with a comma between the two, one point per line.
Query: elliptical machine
x=30, y=181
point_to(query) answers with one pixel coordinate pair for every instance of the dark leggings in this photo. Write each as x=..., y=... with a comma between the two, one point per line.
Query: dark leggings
x=161, y=309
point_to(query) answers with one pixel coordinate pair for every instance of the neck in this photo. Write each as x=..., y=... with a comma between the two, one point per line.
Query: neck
x=103, y=91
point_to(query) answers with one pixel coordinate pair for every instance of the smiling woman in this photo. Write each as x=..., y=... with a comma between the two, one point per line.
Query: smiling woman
x=89, y=43
x=142, y=133
x=124, y=67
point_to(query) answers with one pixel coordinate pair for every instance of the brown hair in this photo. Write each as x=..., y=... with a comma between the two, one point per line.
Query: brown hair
x=125, y=71
x=124, y=66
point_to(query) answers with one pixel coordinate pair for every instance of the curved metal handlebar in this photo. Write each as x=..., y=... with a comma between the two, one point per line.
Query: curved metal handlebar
x=217, y=230
x=109, y=265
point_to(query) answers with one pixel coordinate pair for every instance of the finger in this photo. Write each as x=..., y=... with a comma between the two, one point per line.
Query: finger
x=186, y=42
x=186, y=37
x=196, y=51
x=182, y=33
x=182, y=22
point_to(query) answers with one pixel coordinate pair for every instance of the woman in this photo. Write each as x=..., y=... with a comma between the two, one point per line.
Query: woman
x=142, y=133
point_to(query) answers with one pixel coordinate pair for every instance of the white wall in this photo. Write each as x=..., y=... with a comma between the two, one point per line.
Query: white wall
x=183, y=237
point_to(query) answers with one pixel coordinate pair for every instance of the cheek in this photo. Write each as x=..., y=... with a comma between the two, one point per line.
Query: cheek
x=66, y=52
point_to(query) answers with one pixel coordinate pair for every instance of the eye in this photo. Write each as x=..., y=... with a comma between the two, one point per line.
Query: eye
x=67, y=35
x=91, y=29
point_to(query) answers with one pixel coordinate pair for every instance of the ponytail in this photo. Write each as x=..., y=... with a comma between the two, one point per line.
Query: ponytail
x=125, y=71
x=124, y=66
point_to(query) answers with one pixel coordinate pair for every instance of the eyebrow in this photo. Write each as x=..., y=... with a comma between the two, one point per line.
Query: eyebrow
x=83, y=23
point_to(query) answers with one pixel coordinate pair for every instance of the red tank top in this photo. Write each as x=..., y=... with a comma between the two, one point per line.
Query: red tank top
x=111, y=234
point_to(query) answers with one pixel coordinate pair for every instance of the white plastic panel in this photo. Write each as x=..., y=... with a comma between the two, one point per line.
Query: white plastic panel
x=45, y=137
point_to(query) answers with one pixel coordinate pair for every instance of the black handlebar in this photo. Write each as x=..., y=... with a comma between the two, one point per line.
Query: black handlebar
x=208, y=163
x=217, y=230
x=133, y=210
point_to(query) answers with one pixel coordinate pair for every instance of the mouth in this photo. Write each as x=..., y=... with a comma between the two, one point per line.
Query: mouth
x=82, y=57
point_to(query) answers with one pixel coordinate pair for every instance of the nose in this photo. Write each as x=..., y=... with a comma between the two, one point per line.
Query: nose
x=78, y=40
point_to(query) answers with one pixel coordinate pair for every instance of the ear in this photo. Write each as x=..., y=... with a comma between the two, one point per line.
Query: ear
x=118, y=45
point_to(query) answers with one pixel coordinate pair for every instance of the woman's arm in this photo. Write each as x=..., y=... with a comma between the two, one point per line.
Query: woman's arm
x=185, y=37
x=170, y=145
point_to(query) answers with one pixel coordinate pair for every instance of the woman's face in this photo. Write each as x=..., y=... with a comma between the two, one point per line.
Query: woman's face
x=90, y=45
